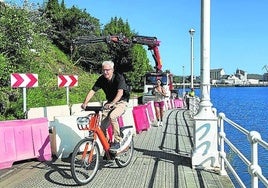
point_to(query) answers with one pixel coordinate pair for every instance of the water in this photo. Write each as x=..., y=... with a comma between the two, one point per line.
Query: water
x=248, y=107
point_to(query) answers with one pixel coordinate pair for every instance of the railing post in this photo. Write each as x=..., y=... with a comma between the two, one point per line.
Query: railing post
x=222, y=135
x=192, y=106
x=253, y=138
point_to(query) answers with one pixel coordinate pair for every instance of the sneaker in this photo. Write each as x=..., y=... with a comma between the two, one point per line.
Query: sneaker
x=115, y=146
x=105, y=158
x=161, y=123
x=158, y=123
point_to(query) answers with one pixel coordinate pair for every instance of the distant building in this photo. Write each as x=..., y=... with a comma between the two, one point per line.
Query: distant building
x=242, y=75
x=265, y=76
x=216, y=74
x=253, y=81
x=228, y=80
x=239, y=78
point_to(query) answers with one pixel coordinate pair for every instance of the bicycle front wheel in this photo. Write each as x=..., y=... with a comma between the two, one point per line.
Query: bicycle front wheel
x=85, y=161
x=124, y=158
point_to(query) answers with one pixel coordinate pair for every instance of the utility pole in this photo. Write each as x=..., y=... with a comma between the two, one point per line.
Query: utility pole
x=192, y=31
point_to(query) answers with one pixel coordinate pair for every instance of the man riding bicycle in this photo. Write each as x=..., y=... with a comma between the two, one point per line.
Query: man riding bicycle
x=117, y=96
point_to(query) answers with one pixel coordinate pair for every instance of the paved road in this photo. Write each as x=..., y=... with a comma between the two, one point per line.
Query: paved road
x=161, y=159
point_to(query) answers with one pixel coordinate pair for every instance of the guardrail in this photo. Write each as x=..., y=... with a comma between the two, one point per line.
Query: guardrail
x=254, y=139
x=193, y=105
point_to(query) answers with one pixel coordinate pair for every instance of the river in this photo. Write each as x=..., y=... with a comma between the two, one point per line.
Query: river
x=248, y=107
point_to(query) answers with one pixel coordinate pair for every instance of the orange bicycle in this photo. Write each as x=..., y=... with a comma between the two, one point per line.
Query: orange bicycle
x=86, y=154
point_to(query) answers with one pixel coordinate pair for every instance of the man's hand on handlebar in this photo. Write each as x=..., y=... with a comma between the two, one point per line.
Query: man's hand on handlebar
x=109, y=106
x=83, y=106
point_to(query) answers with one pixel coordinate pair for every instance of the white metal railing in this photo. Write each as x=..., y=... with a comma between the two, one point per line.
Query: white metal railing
x=193, y=105
x=255, y=140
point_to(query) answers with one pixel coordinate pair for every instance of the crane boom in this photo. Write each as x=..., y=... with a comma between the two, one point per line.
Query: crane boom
x=150, y=78
x=151, y=42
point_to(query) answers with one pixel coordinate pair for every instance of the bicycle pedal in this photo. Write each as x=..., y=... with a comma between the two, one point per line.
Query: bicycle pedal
x=109, y=164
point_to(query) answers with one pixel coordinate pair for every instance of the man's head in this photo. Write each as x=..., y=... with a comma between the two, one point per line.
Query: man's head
x=108, y=69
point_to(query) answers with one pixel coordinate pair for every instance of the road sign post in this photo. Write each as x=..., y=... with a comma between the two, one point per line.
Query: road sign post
x=27, y=80
x=67, y=81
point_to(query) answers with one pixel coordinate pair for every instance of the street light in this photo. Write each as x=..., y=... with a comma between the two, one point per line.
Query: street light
x=183, y=82
x=192, y=31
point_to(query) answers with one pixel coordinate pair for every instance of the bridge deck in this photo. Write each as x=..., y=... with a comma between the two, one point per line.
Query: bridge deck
x=161, y=159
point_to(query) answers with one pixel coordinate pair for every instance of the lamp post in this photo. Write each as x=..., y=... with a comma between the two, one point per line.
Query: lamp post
x=183, y=82
x=205, y=153
x=192, y=31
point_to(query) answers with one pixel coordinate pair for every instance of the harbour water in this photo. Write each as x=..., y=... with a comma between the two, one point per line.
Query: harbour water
x=248, y=107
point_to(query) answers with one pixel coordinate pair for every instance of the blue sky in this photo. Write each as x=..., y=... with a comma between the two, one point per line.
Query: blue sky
x=239, y=30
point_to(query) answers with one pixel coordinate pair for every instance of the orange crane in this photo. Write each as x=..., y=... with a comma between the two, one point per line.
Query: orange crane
x=149, y=78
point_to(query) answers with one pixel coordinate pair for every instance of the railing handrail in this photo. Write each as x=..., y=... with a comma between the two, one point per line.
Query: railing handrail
x=254, y=139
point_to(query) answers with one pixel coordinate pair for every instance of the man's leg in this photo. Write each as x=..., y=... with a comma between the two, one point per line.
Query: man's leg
x=105, y=122
x=117, y=111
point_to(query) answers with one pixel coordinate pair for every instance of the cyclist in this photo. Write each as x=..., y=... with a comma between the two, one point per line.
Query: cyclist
x=117, y=96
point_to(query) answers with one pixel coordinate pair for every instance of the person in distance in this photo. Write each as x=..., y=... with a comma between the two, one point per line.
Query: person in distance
x=159, y=101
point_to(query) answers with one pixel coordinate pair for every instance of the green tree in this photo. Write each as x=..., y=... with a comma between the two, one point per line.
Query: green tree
x=141, y=66
x=68, y=24
x=128, y=57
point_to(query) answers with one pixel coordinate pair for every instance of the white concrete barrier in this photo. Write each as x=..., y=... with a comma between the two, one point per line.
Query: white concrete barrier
x=128, y=118
x=65, y=136
x=64, y=110
x=49, y=112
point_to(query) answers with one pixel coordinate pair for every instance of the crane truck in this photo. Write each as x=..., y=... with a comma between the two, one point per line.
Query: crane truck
x=149, y=79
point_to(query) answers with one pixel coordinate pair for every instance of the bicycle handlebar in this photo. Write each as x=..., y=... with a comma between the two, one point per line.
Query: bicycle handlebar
x=94, y=108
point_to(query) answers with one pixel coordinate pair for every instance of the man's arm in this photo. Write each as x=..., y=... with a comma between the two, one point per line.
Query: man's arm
x=118, y=95
x=87, y=99
x=116, y=99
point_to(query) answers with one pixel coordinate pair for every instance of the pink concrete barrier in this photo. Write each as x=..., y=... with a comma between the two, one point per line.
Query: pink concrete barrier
x=24, y=139
x=150, y=111
x=140, y=118
x=167, y=104
x=178, y=103
x=110, y=128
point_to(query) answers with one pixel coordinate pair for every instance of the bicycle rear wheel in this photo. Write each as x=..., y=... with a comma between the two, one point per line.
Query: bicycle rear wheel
x=85, y=161
x=124, y=158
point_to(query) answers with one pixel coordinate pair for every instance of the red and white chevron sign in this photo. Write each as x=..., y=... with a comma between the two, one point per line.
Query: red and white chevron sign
x=24, y=80
x=67, y=80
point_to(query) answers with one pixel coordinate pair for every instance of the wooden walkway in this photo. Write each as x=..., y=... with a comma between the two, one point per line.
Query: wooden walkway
x=161, y=160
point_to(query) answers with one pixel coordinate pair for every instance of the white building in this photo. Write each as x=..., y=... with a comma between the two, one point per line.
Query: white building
x=216, y=74
x=242, y=75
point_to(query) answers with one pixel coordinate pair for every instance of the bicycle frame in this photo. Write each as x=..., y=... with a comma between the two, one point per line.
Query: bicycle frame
x=97, y=132
x=94, y=126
